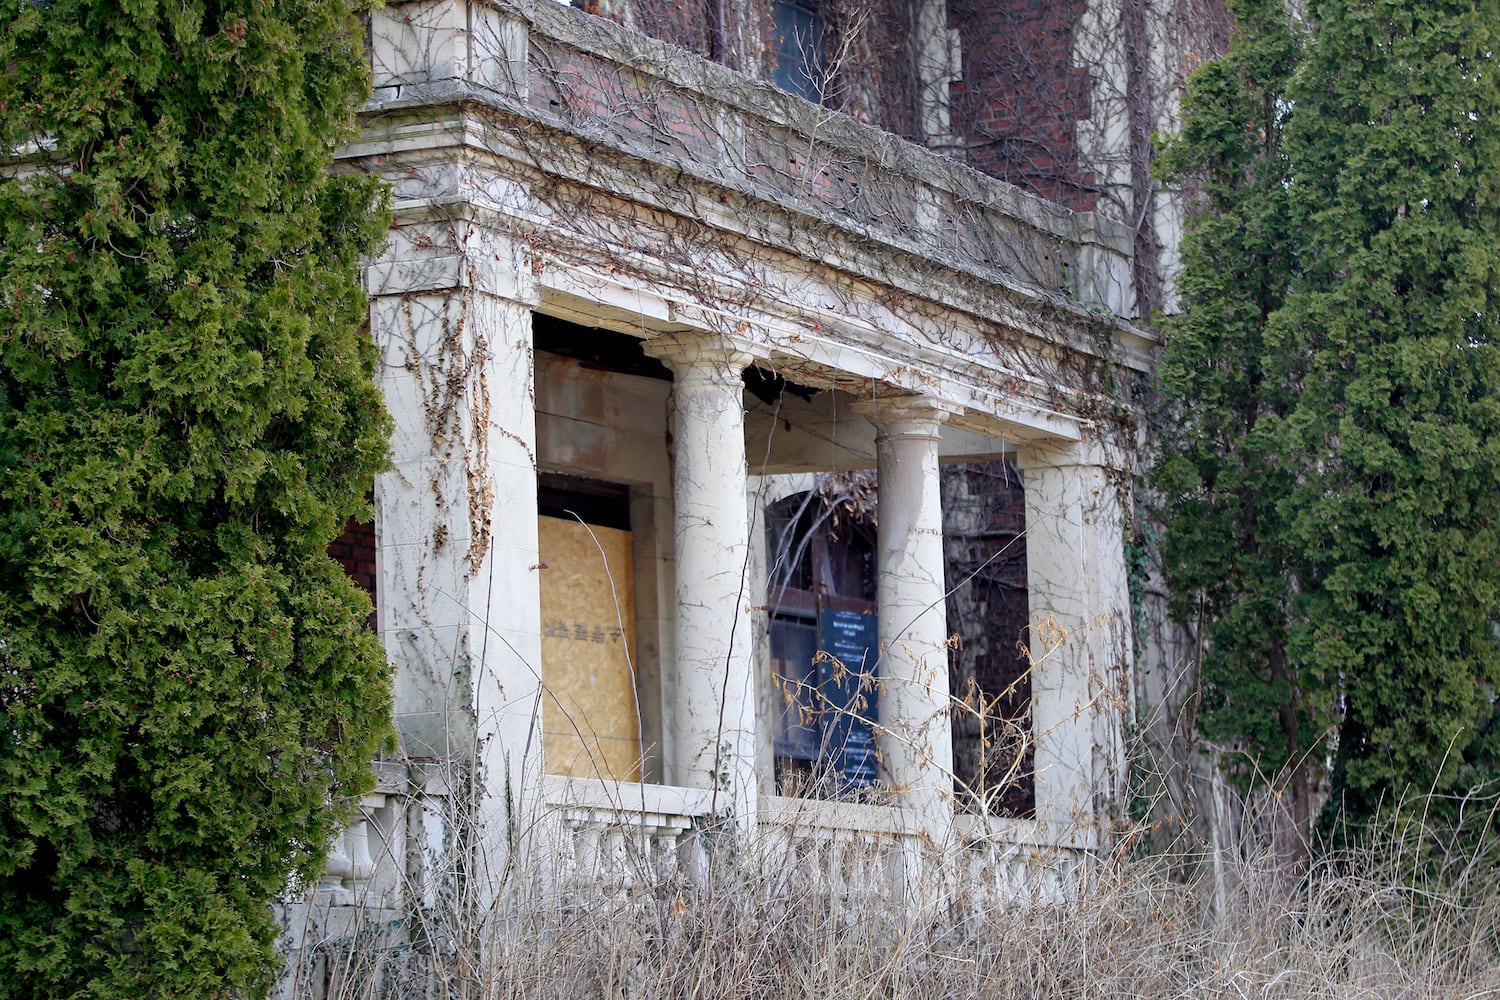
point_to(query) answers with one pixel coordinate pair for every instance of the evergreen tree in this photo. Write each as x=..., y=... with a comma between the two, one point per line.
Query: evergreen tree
x=1223, y=468
x=1333, y=497
x=187, y=417
x=1394, y=144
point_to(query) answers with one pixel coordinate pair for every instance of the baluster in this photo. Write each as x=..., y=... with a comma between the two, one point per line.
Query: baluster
x=850, y=845
x=586, y=853
x=661, y=856
x=846, y=844
x=612, y=857
x=336, y=869
x=869, y=865
x=692, y=857
x=361, y=865
x=1011, y=862
x=828, y=853
x=643, y=851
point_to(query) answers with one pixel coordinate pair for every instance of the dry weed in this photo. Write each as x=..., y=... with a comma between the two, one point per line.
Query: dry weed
x=1384, y=922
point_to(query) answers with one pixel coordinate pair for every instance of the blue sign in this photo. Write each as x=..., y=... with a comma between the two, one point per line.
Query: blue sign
x=846, y=677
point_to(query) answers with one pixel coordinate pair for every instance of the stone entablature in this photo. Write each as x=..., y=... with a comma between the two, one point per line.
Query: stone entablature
x=586, y=103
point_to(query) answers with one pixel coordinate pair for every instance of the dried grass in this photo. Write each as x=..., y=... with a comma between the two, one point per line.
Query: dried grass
x=1397, y=919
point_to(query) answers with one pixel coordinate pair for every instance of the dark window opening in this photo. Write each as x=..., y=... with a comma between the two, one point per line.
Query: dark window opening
x=824, y=646
x=595, y=349
x=801, y=66
x=984, y=526
x=589, y=500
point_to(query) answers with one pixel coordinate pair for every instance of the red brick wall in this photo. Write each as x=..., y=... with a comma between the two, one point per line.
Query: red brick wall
x=703, y=27
x=1020, y=98
x=875, y=78
x=355, y=551
x=878, y=81
x=691, y=24
x=1016, y=106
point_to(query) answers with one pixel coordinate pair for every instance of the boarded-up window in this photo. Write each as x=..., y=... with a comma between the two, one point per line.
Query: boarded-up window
x=590, y=716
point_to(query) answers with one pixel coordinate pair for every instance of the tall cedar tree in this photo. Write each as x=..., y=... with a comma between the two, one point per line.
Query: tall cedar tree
x=1333, y=490
x=187, y=417
x=1394, y=144
x=1223, y=469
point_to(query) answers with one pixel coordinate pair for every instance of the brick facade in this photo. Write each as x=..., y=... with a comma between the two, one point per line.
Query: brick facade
x=355, y=551
x=692, y=24
x=1016, y=106
x=1020, y=98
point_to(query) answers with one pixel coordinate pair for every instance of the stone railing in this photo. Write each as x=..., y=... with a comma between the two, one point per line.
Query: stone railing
x=848, y=851
x=366, y=861
x=612, y=835
x=355, y=910
x=853, y=851
x=1006, y=861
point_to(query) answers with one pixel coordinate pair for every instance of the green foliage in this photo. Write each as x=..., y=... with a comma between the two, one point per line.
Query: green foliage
x=1396, y=137
x=1333, y=495
x=187, y=418
x=1224, y=470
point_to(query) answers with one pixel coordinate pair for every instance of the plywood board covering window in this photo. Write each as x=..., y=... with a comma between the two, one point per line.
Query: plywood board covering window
x=590, y=719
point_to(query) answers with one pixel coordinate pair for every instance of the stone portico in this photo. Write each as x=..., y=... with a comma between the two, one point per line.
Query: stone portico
x=596, y=238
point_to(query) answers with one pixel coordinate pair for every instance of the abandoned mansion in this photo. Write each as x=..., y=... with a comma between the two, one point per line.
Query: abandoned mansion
x=764, y=380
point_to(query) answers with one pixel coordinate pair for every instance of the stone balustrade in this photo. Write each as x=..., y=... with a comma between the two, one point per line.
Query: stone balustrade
x=1006, y=862
x=675, y=123
x=614, y=836
x=366, y=861
x=847, y=852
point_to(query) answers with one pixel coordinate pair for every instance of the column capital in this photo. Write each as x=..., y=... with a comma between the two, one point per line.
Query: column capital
x=714, y=355
x=1092, y=453
x=907, y=414
x=444, y=255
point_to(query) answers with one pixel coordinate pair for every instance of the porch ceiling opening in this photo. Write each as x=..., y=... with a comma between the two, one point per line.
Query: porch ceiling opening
x=801, y=416
x=995, y=400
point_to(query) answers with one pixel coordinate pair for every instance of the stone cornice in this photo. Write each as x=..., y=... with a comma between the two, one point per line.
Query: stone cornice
x=954, y=218
x=471, y=125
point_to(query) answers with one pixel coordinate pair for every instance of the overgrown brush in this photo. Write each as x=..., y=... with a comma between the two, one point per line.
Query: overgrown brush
x=1395, y=919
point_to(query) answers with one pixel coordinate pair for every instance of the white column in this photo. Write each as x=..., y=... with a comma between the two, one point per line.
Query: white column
x=916, y=739
x=1080, y=637
x=459, y=607
x=712, y=714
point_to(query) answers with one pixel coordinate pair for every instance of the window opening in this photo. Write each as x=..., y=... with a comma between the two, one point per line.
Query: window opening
x=824, y=646
x=800, y=62
x=595, y=502
x=590, y=712
x=984, y=525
